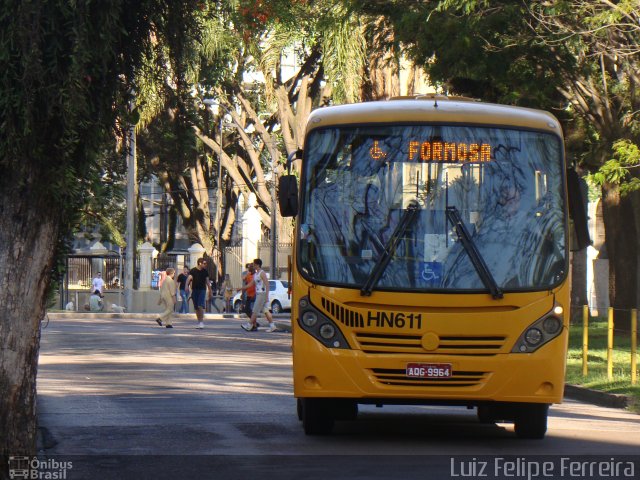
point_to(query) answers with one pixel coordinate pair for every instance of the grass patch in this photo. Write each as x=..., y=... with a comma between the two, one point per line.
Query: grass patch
x=597, y=362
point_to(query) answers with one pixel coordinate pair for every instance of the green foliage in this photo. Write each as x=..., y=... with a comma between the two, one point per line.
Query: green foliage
x=617, y=170
x=68, y=68
x=597, y=361
x=343, y=46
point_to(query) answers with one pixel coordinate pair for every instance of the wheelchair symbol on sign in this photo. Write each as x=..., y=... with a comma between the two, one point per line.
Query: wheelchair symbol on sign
x=431, y=272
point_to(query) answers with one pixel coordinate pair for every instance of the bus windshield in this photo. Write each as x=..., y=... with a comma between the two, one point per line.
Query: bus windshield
x=505, y=184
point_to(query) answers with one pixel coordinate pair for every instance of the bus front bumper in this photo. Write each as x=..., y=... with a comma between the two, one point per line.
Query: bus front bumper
x=505, y=377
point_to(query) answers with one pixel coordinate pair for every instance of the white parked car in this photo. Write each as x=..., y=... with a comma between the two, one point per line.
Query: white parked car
x=279, y=298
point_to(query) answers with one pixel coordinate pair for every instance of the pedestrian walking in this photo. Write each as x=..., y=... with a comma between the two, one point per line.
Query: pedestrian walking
x=248, y=294
x=261, y=304
x=198, y=283
x=184, y=292
x=168, y=298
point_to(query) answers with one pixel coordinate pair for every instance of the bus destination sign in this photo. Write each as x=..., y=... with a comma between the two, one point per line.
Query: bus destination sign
x=438, y=151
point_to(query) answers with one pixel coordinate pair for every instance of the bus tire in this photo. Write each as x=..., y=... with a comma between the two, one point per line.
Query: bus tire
x=317, y=417
x=299, y=408
x=531, y=421
x=276, y=307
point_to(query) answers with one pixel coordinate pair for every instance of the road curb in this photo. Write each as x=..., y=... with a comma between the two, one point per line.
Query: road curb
x=148, y=315
x=603, y=399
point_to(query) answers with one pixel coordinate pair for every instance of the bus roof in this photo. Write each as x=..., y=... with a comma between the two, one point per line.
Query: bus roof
x=429, y=109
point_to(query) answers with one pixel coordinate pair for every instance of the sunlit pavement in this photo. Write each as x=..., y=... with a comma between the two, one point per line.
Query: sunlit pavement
x=124, y=386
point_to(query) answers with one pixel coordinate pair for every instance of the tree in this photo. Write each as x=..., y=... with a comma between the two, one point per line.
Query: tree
x=263, y=120
x=577, y=58
x=67, y=70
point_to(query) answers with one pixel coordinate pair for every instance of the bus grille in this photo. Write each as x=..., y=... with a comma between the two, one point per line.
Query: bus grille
x=345, y=316
x=398, y=378
x=383, y=343
x=449, y=345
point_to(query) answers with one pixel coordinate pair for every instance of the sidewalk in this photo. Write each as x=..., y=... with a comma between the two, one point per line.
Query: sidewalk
x=282, y=320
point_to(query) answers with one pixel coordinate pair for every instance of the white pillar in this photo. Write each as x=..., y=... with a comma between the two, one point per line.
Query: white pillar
x=146, y=263
x=251, y=231
x=195, y=252
x=97, y=264
x=179, y=264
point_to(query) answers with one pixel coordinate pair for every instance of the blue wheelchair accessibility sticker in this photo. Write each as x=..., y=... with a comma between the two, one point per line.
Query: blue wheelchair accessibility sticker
x=431, y=273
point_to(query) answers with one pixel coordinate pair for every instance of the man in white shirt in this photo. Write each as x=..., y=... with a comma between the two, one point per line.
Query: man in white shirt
x=98, y=283
x=261, y=304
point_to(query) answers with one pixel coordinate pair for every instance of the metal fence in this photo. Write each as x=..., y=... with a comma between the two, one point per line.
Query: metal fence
x=619, y=344
x=166, y=260
x=81, y=269
x=283, y=252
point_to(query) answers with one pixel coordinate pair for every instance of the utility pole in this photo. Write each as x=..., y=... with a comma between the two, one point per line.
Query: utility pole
x=274, y=222
x=132, y=194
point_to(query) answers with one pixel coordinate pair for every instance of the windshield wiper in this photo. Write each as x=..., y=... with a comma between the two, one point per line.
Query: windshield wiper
x=389, y=249
x=453, y=215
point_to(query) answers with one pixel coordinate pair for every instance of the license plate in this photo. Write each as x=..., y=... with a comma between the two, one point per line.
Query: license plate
x=429, y=370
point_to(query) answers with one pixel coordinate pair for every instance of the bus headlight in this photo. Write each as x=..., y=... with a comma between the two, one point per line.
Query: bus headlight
x=319, y=326
x=540, y=332
x=551, y=325
x=327, y=331
x=309, y=319
x=533, y=336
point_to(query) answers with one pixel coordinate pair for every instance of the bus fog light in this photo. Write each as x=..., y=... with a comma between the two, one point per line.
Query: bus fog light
x=533, y=336
x=327, y=331
x=551, y=325
x=309, y=319
x=558, y=310
x=304, y=303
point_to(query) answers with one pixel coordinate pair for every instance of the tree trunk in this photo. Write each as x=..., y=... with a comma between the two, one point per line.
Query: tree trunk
x=621, y=229
x=28, y=229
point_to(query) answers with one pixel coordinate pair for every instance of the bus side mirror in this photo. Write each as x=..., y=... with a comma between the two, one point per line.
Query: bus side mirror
x=288, y=195
x=579, y=229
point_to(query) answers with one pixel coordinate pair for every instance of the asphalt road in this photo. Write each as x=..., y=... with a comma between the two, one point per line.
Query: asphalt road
x=124, y=398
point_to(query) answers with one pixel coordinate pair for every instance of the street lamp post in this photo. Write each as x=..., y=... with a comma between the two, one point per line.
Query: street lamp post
x=132, y=193
x=274, y=223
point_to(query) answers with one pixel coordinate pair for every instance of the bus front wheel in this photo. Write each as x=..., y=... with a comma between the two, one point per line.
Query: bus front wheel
x=317, y=416
x=531, y=421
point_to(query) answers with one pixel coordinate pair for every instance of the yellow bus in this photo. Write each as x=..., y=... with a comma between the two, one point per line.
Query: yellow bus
x=430, y=264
